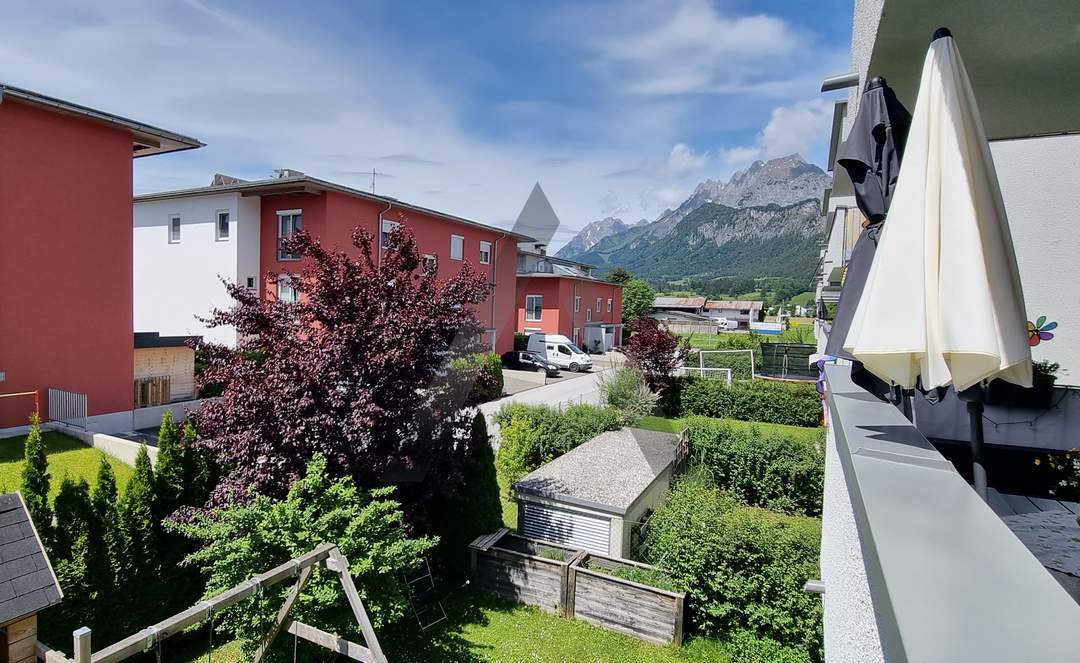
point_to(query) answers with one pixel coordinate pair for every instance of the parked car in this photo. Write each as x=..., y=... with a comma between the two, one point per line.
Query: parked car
x=561, y=351
x=529, y=361
x=724, y=323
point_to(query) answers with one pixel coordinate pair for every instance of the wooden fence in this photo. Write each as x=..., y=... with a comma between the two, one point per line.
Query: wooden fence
x=524, y=570
x=617, y=604
x=558, y=579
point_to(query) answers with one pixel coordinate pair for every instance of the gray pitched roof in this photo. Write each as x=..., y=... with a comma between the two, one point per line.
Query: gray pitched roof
x=27, y=582
x=608, y=472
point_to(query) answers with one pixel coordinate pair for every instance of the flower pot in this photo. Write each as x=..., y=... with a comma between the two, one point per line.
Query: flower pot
x=1006, y=394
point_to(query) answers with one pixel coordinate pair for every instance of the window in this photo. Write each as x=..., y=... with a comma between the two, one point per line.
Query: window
x=457, y=247
x=174, y=229
x=599, y=304
x=588, y=315
x=534, y=307
x=563, y=350
x=577, y=304
x=387, y=228
x=430, y=262
x=609, y=305
x=251, y=282
x=221, y=226
x=289, y=223
x=485, y=253
x=285, y=290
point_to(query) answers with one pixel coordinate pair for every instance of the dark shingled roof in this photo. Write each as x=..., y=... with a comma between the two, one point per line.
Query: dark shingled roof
x=156, y=340
x=27, y=581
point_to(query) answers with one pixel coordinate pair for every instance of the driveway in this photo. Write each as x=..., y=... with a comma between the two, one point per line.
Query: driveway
x=572, y=389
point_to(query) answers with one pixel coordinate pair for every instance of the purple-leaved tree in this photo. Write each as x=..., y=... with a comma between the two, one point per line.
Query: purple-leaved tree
x=356, y=370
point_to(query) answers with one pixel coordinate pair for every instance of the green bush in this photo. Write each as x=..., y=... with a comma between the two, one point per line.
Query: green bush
x=743, y=567
x=745, y=647
x=247, y=539
x=484, y=369
x=532, y=435
x=625, y=391
x=792, y=404
x=770, y=468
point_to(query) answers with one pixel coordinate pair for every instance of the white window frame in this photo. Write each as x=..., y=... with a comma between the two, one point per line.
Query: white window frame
x=174, y=238
x=609, y=305
x=285, y=281
x=485, y=252
x=217, y=225
x=250, y=283
x=528, y=309
x=388, y=227
x=588, y=315
x=292, y=214
x=577, y=304
x=599, y=304
x=429, y=257
x=460, y=247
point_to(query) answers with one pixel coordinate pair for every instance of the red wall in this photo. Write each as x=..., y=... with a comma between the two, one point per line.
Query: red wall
x=559, y=292
x=332, y=216
x=65, y=260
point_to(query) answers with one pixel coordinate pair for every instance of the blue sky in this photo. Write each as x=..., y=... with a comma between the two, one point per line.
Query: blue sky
x=616, y=107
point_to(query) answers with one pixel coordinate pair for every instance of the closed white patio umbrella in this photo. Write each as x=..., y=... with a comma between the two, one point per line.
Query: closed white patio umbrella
x=943, y=300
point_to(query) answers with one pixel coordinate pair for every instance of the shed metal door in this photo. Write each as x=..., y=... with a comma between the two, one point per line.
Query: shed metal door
x=570, y=528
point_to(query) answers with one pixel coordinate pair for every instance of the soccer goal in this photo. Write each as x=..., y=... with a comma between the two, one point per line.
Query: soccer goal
x=740, y=363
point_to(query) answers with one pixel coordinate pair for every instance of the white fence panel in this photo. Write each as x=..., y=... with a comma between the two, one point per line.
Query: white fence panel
x=67, y=407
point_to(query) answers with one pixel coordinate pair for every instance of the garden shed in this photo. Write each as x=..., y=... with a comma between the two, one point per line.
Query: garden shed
x=592, y=497
x=27, y=582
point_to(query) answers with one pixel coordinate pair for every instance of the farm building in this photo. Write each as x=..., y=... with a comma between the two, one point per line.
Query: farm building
x=592, y=497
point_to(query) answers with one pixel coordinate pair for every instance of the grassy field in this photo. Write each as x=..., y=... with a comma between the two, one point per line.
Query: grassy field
x=674, y=425
x=67, y=456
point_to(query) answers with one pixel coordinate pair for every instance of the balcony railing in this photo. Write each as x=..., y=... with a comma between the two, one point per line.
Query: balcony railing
x=915, y=566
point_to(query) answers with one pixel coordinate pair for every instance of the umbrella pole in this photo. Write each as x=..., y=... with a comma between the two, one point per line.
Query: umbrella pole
x=975, y=397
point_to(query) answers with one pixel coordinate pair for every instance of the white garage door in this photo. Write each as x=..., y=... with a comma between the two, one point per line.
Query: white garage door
x=570, y=528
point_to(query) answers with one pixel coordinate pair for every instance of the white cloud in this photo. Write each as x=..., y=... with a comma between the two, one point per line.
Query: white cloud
x=697, y=49
x=801, y=128
x=683, y=160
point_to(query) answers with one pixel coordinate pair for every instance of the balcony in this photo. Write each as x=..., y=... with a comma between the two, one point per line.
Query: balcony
x=915, y=566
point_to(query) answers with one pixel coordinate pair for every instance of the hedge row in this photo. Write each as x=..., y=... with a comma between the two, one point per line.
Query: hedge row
x=760, y=467
x=793, y=404
x=743, y=569
x=532, y=435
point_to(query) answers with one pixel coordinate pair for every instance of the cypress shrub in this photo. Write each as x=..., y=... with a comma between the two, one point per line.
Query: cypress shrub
x=139, y=567
x=770, y=468
x=169, y=473
x=35, y=480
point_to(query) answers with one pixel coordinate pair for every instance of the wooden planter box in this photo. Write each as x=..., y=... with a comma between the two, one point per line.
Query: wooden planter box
x=1006, y=394
x=644, y=612
x=515, y=568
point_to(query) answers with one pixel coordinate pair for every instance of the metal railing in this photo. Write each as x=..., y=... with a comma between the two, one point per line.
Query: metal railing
x=67, y=407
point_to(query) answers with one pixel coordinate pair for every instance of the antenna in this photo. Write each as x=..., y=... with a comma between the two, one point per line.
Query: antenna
x=372, y=180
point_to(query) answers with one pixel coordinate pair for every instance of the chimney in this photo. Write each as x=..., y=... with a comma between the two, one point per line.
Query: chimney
x=224, y=180
x=285, y=173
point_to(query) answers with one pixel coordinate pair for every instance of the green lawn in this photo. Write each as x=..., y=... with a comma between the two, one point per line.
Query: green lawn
x=509, y=506
x=66, y=456
x=674, y=425
x=804, y=298
x=482, y=627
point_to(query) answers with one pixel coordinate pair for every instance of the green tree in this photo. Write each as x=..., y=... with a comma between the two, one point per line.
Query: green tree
x=79, y=605
x=35, y=480
x=197, y=479
x=619, y=275
x=169, y=473
x=104, y=550
x=247, y=539
x=139, y=569
x=73, y=514
x=638, y=299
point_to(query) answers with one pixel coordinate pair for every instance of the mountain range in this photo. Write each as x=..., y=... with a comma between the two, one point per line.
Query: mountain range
x=764, y=221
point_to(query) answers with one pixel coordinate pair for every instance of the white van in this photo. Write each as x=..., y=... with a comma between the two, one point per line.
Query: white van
x=724, y=323
x=560, y=351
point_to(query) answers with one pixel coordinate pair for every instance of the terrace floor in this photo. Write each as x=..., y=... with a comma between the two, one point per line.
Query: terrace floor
x=1049, y=528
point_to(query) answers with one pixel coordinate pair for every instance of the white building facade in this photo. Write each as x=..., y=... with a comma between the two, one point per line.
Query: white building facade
x=184, y=249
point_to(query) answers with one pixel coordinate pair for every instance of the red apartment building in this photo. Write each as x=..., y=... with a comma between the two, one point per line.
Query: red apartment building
x=275, y=208
x=66, y=250
x=557, y=296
